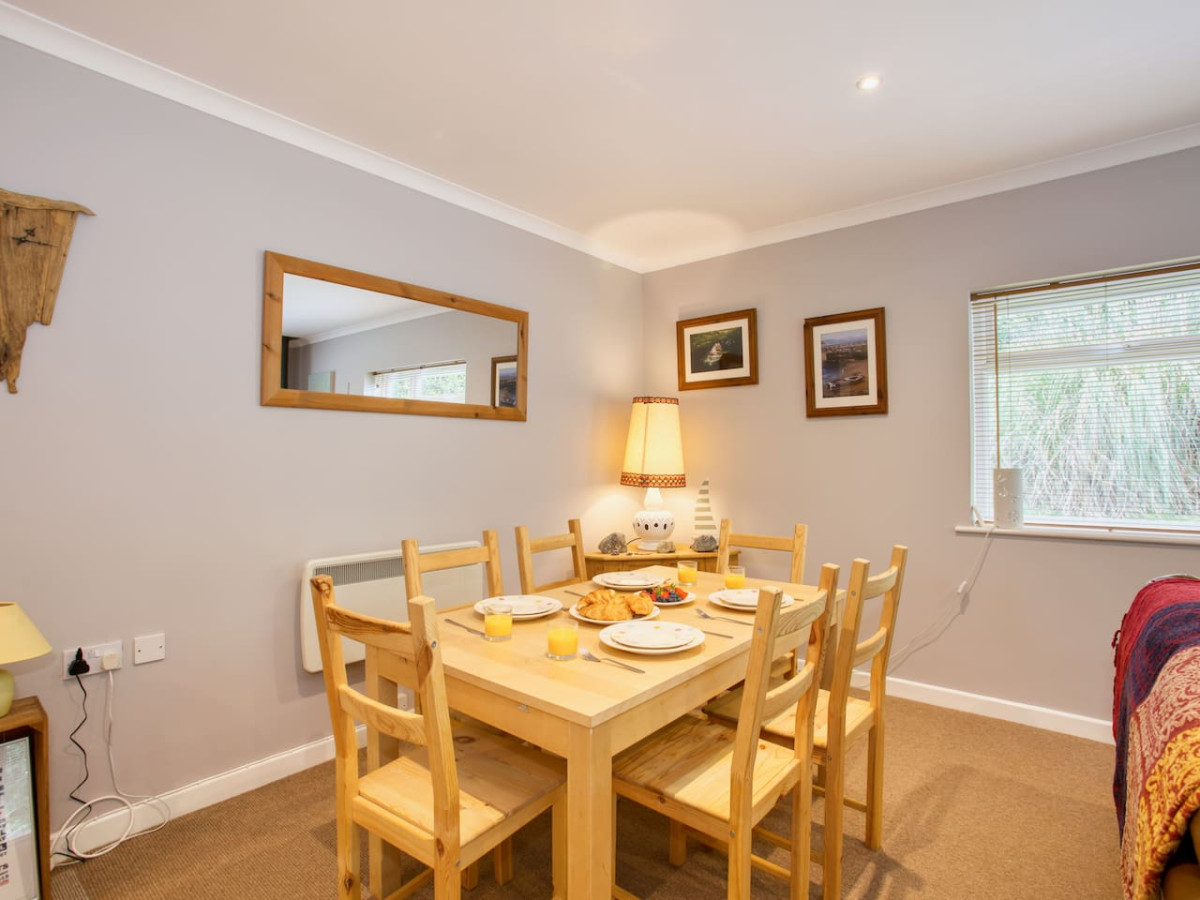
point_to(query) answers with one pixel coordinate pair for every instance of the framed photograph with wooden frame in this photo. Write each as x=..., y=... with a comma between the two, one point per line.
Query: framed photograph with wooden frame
x=845, y=364
x=717, y=351
x=504, y=381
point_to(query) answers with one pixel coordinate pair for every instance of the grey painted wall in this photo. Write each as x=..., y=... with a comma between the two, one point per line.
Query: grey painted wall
x=145, y=489
x=1043, y=612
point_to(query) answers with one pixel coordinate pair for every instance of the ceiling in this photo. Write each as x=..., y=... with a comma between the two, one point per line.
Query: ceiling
x=655, y=132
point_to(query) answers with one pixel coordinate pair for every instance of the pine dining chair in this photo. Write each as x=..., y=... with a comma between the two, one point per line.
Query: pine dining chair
x=794, y=545
x=719, y=782
x=449, y=796
x=527, y=547
x=841, y=719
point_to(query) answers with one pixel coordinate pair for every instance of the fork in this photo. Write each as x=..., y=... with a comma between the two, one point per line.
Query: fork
x=591, y=657
x=702, y=614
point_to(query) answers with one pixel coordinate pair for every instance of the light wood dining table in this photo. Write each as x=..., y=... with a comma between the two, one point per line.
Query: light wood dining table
x=587, y=712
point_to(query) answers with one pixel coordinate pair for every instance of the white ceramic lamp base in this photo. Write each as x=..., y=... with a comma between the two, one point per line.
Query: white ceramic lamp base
x=653, y=526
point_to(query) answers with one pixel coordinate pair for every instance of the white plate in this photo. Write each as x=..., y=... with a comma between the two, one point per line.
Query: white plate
x=627, y=581
x=575, y=614
x=653, y=635
x=745, y=599
x=607, y=640
x=525, y=606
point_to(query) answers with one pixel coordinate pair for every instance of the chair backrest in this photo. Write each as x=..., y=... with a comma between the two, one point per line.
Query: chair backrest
x=759, y=700
x=794, y=545
x=412, y=646
x=416, y=563
x=527, y=546
x=878, y=647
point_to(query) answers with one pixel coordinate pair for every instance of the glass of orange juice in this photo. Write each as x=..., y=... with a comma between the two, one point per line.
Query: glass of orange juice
x=497, y=621
x=562, y=640
x=735, y=578
x=686, y=572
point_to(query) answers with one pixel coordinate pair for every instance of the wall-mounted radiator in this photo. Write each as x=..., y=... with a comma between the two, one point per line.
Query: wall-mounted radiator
x=373, y=583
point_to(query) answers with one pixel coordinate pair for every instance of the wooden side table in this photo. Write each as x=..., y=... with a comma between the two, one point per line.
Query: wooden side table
x=598, y=563
x=28, y=718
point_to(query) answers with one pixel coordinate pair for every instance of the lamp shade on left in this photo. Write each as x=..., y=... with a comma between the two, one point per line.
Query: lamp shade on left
x=19, y=640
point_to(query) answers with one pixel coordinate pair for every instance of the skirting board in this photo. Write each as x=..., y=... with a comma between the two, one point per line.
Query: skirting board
x=110, y=826
x=1008, y=710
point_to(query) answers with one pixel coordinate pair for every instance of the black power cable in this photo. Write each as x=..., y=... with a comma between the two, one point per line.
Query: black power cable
x=86, y=773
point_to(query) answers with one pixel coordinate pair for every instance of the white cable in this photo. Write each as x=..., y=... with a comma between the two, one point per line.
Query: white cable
x=950, y=612
x=71, y=829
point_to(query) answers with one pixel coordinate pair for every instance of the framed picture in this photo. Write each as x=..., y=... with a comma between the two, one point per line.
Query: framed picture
x=845, y=364
x=504, y=381
x=717, y=351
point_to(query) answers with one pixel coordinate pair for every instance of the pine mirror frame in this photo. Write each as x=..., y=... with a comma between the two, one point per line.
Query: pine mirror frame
x=277, y=265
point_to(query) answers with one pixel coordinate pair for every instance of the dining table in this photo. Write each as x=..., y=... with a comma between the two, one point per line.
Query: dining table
x=586, y=711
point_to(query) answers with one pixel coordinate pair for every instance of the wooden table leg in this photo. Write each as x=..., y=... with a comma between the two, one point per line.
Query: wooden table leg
x=590, y=814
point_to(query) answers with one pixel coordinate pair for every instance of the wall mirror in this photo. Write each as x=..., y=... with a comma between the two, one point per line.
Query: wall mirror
x=338, y=339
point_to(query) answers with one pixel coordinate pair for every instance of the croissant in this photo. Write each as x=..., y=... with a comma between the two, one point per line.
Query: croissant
x=605, y=604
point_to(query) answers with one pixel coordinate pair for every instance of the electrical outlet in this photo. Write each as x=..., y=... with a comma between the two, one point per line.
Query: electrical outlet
x=149, y=648
x=99, y=657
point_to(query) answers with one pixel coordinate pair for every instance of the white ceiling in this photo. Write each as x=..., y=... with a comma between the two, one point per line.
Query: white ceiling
x=654, y=132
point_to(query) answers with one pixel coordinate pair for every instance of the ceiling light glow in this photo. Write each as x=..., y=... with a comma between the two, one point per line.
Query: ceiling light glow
x=868, y=82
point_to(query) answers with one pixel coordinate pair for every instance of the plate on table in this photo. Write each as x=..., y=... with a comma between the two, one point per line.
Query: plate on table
x=651, y=638
x=745, y=599
x=576, y=614
x=627, y=581
x=525, y=606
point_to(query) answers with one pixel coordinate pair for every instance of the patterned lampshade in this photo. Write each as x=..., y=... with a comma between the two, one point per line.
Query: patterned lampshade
x=654, y=449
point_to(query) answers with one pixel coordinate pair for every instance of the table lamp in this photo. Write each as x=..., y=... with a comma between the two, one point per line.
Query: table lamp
x=653, y=460
x=19, y=640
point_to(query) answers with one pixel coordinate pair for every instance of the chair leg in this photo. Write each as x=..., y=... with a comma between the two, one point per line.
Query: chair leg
x=470, y=876
x=502, y=861
x=874, y=836
x=802, y=834
x=348, y=856
x=835, y=792
x=677, y=844
x=740, y=865
x=447, y=881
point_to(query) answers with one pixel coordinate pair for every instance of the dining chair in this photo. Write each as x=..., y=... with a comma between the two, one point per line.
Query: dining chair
x=527, y=546
x=841, y=719
x=450, y=795
x=417, y=563
x=795, y=545
x=719, y=782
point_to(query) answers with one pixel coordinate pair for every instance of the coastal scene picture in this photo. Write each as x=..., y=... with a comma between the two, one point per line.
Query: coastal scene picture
x=845, y=364
x=717, y=351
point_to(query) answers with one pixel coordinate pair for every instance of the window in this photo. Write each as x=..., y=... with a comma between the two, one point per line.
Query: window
x=1092, y=388
x=446, y=382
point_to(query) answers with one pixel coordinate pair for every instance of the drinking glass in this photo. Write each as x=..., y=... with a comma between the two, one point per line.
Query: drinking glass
x=562, y=640
x=686, y=572
x=498, y=621
x=735, y=578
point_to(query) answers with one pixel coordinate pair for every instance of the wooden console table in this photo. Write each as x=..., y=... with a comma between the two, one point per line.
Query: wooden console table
x=27, y=717
x=598, y=563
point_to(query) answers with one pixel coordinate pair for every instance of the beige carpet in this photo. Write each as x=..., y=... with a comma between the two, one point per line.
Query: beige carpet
x=976, y=809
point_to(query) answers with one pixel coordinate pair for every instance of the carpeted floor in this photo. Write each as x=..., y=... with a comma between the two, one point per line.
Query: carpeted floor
x=975, y=809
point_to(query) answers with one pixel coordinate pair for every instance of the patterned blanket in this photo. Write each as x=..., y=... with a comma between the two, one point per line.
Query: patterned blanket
x=1156, y=723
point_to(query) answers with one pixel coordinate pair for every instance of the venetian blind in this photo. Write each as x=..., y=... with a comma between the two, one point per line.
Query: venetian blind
x=1092, y=388
x=446, y=382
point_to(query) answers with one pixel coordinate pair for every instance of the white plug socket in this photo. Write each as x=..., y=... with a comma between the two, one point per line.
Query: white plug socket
x=99, y=657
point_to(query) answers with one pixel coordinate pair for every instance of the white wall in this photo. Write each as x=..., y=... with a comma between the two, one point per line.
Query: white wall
x=143, y=488
x=1043, y=613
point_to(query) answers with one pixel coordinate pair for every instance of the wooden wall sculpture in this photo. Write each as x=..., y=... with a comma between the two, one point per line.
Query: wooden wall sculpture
x=35, y=234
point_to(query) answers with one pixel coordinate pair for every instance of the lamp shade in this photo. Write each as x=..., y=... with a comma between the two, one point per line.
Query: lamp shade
x=654, y=449
x=19, y=637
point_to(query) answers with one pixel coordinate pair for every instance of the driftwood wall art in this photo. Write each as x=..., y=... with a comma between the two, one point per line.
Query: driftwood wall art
x=35, y=235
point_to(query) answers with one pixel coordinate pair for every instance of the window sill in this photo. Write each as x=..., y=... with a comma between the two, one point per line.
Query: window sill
x=1080, y=534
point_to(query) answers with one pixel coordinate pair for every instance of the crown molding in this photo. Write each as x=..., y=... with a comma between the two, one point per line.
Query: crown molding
x=71, y=46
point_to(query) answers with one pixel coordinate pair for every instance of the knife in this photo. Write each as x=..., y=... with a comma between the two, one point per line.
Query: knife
x=465, y=627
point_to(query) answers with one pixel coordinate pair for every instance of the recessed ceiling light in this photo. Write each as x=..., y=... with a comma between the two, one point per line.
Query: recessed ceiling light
x=868, y=82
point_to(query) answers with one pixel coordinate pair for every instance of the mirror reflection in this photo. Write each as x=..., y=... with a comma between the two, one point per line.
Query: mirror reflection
x=337, y=339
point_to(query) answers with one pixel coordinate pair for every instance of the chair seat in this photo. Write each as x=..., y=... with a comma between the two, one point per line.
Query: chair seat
x=497, y=777
x=783, y=726
x=688, y=762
